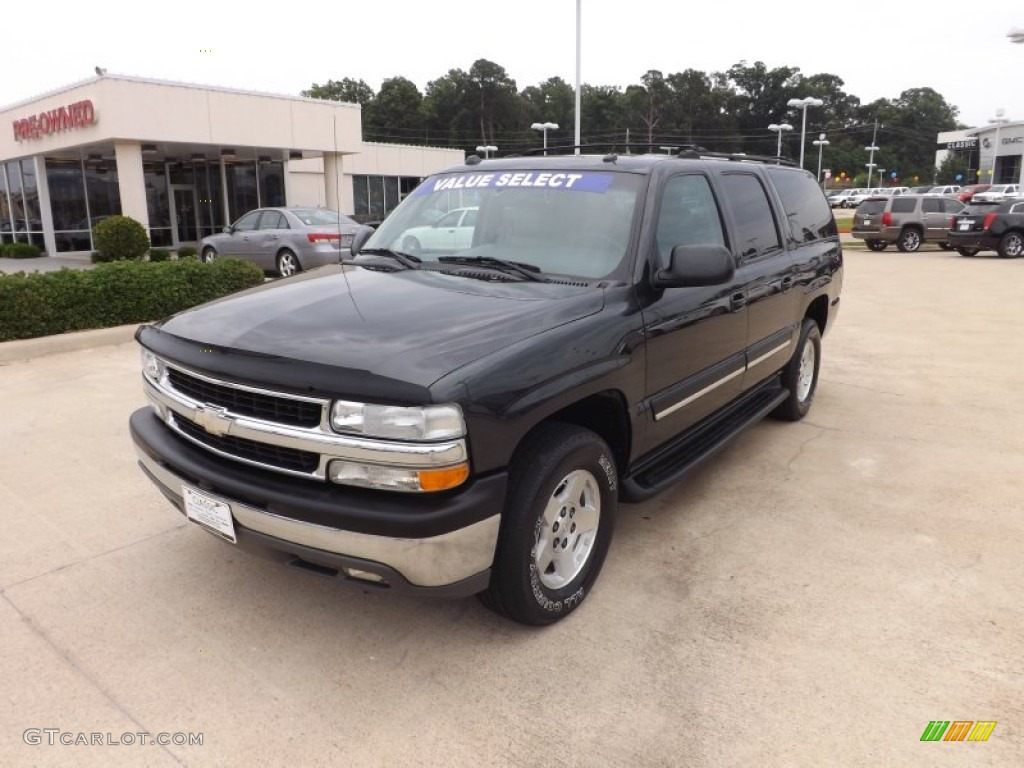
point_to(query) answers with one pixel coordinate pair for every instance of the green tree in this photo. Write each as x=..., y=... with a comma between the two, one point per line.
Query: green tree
x=495, y=99
x=346, y=89
x=396, y=113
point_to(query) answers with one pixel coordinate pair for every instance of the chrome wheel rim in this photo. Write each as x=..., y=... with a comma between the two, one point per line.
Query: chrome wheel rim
x=911, y=241
x=805, y=376
x=208, y=255
x=286, y=265
x=567, y=529
x=1014, y=245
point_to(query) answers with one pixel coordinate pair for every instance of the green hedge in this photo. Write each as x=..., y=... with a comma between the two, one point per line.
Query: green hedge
x=46, y=303
x=19, y=250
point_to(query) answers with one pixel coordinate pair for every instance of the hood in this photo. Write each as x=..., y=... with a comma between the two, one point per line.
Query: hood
x=413, y=326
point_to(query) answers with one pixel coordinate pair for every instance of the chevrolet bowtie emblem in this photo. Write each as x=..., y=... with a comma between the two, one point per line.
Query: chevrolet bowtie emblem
x=213, y=419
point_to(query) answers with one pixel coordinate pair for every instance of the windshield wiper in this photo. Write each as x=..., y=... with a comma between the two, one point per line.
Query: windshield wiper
x=529, y=271
x=407, y=260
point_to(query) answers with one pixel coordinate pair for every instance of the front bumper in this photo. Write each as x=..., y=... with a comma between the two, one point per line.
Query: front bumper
x=440, y=544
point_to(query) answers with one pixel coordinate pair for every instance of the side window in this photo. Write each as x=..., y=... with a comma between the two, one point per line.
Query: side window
x=809, y=216
x=755, y=225
x=688, y=216
x=905, y=205
x=1018, y=208
x=953, y=206
x=272, y=220
x=931, y=205
x=449, y=219
x=469, y=220
x=248, y=222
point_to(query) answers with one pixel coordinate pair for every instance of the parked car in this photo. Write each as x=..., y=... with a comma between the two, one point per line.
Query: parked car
x=891, y=191
x=984, y=226
x=944, y=190
x=469, y=423
x=906, y=220
x=837, y=196
x=997, y=193
x=966, y=194
x=285, y=240
x=452, y=232
x=859, y=197
x=920, y=190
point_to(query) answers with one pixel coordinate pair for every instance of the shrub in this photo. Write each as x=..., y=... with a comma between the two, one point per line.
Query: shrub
x=159, y=254
x=20, y=251
x=45, y=303
x=186, y=252
x=120, y=238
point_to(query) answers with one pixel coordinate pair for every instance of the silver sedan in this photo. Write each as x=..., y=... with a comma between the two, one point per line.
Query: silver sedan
x=284, y=240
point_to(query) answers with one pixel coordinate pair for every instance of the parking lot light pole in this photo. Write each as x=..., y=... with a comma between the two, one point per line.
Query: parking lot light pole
x=779, y=128
x=820, y=144
x=544, y=128
x=804, y=103
x=871, y=161
x=1016, y=35
x=487, y=150
x=998, y=120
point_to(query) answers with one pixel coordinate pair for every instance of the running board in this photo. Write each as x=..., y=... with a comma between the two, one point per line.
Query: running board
x=658, y=470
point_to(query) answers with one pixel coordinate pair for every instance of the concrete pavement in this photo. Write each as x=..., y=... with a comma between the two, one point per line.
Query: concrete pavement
x=814, y=596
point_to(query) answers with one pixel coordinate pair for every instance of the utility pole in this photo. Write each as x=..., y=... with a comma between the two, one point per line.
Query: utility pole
x=872, y=149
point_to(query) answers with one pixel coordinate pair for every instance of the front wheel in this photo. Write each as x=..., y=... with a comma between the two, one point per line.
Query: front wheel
x=209, y=254
x=557, y=525
x=967, y=251
x=800, y=376
x=909, y=241
x=877, y=245
x=287, y=264
x=1012, y=245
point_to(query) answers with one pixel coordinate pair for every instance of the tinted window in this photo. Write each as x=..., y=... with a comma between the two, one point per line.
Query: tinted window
x=931, y=205
x=809, y=215
x=981, y=208
x=688, y=216
x=870, y=207
x=952, y=206
x=248, y=221
x=1017, y=208
x=273, y=220
x=755, y=225
x=904, y=205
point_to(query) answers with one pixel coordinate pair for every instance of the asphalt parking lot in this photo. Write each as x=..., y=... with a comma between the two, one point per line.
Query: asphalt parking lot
x=813, y=596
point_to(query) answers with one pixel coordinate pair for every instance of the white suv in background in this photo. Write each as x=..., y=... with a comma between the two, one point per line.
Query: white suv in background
x=998, y=193
x=948, y=189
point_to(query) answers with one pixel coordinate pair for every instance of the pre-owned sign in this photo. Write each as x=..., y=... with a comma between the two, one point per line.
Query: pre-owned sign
x=77, y=115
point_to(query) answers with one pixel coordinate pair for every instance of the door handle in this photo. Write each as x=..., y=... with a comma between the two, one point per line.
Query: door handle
x=738, y=301
x=787, y=283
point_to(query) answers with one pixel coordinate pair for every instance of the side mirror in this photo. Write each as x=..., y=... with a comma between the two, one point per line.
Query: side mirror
x=229, y=230
x=696, y=265
x=359, y=239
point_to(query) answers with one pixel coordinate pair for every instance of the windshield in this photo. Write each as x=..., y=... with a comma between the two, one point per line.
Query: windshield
x=564, y=222
x=319, y=217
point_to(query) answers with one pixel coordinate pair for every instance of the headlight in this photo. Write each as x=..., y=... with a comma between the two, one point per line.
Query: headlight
x=428, y=422
x=152, y=365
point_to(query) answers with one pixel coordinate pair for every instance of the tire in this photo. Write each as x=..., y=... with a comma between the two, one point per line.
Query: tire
x=877, y=245
x=562, y=475
x=411, y=245
x=946, y=246
x=800, y=376
x=1012, y=245
x=909, y=240
x=288, y=264
x=967, y=251
x=209, y=254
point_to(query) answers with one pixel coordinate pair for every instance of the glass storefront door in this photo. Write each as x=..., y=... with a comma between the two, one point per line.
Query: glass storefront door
x=183, y=200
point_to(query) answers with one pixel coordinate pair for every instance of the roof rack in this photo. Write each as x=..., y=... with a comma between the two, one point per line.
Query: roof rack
x=690, y=151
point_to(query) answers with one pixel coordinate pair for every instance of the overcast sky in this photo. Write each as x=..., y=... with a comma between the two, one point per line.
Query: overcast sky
x=959, y=48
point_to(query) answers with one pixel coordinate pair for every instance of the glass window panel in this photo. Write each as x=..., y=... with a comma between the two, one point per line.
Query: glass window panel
x=272, y=220
x=17, y=202
x=376, y=196
x=30, y=188
x=5, y=208
x=271, y=184
x=361, y=195
x=157, y=204
x=101, y=187
x=755, y=230
x=72, y=241
x=66, y=182
x=391, y=198
x=161, y=237
x=248, y=222
x=242, y=193
x=182, y=173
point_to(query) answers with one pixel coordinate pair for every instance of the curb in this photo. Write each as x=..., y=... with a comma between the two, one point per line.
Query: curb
x=21, y=350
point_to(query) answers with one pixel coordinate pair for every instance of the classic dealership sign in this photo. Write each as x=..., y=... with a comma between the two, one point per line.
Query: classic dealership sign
x=77, y=115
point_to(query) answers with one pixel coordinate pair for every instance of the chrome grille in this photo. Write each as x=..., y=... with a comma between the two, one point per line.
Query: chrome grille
x=245, y=402
x=250, y=450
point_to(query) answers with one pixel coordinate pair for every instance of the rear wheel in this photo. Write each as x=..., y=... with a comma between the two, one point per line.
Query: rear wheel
x=209, y=254
x=556, y=527
x=877, y=245
x=1012, y=245
x=909, y=240
x=967, y=251
x=287, y=264
x=800, y=376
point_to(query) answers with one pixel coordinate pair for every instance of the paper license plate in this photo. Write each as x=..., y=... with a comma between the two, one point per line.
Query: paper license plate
x=867, y=222
x=964, y=226
x=213, y=515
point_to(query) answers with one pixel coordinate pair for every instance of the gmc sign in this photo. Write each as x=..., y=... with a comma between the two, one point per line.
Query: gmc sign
x=77, y=115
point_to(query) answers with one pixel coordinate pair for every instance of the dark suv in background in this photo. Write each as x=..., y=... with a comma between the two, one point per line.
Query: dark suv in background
x=906, y=220
x=989, y=226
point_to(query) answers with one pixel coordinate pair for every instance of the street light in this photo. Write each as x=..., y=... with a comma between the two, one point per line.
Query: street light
x=1016, y=35
x=998, y=120
x=779, y=128
x=487, y=150
x=820, y=144
x=544, y=128
x=804, y=103
x=881, y=177
x=871, y=161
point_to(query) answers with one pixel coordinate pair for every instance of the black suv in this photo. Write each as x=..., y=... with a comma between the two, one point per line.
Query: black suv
x=466, y=421
x=995, y=226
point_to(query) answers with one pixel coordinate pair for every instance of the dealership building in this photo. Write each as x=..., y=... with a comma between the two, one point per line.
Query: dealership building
x=991, y=155
x=186, y=160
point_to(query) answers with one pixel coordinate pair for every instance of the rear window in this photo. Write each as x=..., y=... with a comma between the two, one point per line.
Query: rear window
x=982, y=208
x=321, y=217
x=809, y=216
x=904, y=204
x=870, y=207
